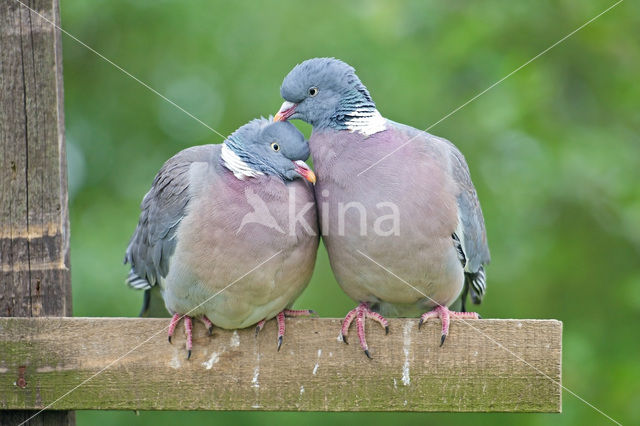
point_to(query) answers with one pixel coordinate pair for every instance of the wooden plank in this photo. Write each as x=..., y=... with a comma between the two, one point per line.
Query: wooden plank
x=34, y=225
x=313, y=370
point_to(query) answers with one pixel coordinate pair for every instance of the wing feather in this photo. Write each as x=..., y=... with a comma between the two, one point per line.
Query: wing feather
x=470, y=238
x=162, y=209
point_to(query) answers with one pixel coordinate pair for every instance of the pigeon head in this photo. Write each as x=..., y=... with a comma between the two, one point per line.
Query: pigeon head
x=323, y=92
x=262, y=147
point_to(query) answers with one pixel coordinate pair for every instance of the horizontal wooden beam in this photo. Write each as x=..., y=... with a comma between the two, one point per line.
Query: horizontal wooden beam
x=485, y=365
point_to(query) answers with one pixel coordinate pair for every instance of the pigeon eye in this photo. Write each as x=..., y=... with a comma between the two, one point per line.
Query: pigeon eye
x=275, y=147
x=313, y=91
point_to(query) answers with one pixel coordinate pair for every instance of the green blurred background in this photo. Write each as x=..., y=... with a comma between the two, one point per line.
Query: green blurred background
x=554, y=152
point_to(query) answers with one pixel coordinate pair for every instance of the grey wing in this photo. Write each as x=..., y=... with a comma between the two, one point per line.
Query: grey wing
x=470, y=237
x=162, y=210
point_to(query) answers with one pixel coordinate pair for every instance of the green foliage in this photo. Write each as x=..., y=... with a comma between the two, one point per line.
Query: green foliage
x=553, y=150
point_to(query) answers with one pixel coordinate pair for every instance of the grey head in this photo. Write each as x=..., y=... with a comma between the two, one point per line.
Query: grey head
x=270, y=148
x=324, y=92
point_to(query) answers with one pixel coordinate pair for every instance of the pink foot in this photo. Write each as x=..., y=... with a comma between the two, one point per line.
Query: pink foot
x=260, y=326
x=188, y=326
x=280, y=319
x=298, y=312
x=445, y=315
x=175, y=319
x=207, y=323
x=360, y=313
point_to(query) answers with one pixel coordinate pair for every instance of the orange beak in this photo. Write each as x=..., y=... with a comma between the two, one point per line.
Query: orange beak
x=303, y=170
x=286, y=110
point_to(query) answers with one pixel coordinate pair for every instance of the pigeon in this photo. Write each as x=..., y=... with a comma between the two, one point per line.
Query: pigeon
x=398, y=212
x=217, y=235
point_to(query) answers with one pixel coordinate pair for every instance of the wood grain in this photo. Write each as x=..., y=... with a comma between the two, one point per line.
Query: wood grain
x=485, y=365
x=34, y=225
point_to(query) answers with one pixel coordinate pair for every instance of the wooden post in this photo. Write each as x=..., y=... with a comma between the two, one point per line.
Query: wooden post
x=34, y=224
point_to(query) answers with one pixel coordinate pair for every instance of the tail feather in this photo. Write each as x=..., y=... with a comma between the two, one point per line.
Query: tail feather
x=153, y=305
x=136, y=282
x=475, y=283
x=145, y=303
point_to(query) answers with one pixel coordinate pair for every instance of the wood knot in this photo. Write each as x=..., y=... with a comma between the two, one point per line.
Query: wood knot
x=21, y=382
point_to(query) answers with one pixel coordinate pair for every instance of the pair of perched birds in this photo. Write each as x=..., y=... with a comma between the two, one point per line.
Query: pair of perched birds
x=229, y=232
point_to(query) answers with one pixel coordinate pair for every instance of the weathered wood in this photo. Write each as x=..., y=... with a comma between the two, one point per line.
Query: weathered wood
x=34, y=226
x=312, y=371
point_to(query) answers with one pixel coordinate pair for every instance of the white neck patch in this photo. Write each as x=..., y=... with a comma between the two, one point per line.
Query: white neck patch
x=366, y=122
x=233, y=162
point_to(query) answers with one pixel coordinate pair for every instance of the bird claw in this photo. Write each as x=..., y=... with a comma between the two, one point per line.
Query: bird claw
x=207, y=323
x=280, y=318
x=281, y=328
x=360, y=313
x=445, y=315
x=175, y=319
x=299, y=312
x=259, y=327
x=188, y=330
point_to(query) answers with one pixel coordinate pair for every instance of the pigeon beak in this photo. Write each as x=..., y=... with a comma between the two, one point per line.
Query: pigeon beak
x=303, y=170
x=286, y=110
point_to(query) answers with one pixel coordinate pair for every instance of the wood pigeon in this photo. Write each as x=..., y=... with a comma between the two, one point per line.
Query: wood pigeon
x=228, y=232
x=399, y=214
